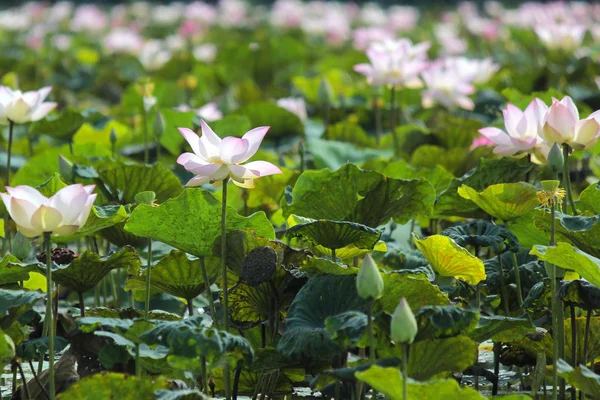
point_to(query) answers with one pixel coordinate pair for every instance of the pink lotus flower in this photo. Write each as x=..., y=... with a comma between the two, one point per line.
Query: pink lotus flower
x=21, y=108
x=523, y=129
x=294, y=105
x=208, y=112
x=473, y=70
x=445, y=86
x=481, y=141
x=62, y=214
x=567, y=37
x=215, y=159
x=563, y=126
x=89, y=17
x=395, y=63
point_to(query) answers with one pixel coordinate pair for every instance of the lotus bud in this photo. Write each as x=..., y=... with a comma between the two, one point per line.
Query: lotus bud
x=556, y=160
x=325, y=93
x=65, y=167
x=113, y=136
x=403, y=328
x=159, y=125
x=369, y=283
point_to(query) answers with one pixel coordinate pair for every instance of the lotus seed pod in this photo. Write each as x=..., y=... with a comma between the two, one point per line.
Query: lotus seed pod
x=369, y=282
x=403, y=328
x=259, y=266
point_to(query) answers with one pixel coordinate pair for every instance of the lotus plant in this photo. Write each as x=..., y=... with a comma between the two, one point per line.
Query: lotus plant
x=215, y=160
x=18, y=107
x=445, y=86
x=369, y=285
x=36, y=215
x=403, y=330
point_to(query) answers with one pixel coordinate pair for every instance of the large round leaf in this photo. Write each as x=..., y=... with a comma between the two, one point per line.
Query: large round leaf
x=113, y=386
x=568, y=257
x=323, y=296
x=481, y=234
x=445, y=321
x=417, y=290
x=191, y=222
x=449, y=259
x=581, y=378
x=14, y=303
x=428, y=358
x=505, y=201
x=176, y=273
x=581, y=231
x=283, y=123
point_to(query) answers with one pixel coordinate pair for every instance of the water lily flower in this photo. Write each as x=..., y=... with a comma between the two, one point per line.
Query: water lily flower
x=215, y=159
x=523, y=129
x=21, y=108
x=563, y=126
x=295, y=105
x=445, y=86
x=395, y=63
x=62, y=214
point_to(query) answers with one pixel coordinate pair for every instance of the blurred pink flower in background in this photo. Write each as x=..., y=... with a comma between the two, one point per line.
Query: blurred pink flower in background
x=402, y=18
x=89, y=17
x=444, y=86
x=208, y=112
x=205, y=52
x=567, y=37
x=365, y=37
x=474, y=70
x=296, y=105
x=123, y=40
x=201, y=12
x=287, y=13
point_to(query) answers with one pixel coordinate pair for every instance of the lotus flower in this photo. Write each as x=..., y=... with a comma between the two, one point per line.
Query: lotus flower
x=21, y=108
x=294, y=105
x=208, y=112
x=215, y=159
x=62, y=214
x=395, y=63
x=523, y=129
x=563, y=126
x=567, y=37
x=445, y=86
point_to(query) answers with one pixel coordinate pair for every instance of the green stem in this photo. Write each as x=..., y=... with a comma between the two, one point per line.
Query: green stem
x=81, y=304
x=138, y=365
x=333, y=257
x=226, y=377
x=393, y=119
x=145, y=127
x=378, y=122
x=49, y=314
x=573, y=345
x=9, y=152
x=503, y=289
x=370, y=330
x=567, y=181
x=586, y=337
x=148, y=277
x=405, y=350
x=518, y=280
x=190, y=307
x=554, y=308
x=24, y=387
x=209, y=294
x=204, y=376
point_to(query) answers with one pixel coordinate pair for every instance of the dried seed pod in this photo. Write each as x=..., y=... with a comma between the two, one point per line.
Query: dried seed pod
x=259, y=265
x=60, y=256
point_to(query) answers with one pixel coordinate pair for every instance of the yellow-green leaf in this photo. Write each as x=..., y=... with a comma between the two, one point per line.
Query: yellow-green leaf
x=505, y=201
x=568, y=257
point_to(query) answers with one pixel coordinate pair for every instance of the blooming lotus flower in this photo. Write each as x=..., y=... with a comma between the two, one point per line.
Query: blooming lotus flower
x=208, y=112
x=123, y=40
x=215, y=159
x=21, y=108
x=395, y=63
x=563, y=126
x=154, y=55
x=294, y=105
x=523, y=129
x=89, y=17
x=567, y=37
x=473, y=70
x=445, y=86
x=62, y=214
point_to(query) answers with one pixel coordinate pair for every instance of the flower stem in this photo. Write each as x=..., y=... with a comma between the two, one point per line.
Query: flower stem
x=370, y=330
x=503, y=289
x=518, y=280
x=138, y=365
x=49, y=314
x=211, y=302
x=393, y=119
x=9, y=152
x=148, y=269
x=145, y=127
x=226, y=377
x=378, y=124
x=554, y=307
x=567, y=181
x=405, y=348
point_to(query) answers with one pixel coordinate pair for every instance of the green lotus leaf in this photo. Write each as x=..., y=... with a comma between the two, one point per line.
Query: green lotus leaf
x=101, y=218
x=125, y=181
x=355, y=195
x=194, y=232
x=346, y=328
x=51, y=186
x=14, y=303
x=12, y=271
x=321, y=297
x=581, y=378
x=444, y=321
x=90, y=324
x=449, y=259
x=111, y=385
x=87, y=270
x=7, y=349
x=333, y=155
x=568, y=257
x=417, y=290
x=317, y=265
x=580, y=293
x=176, y=273
x=492, y=325
x=488, y=172
x=528, y=341
x=437, y=176
x=35, y=349
x=171, y=139
x=430, y=155
x=283, y=123
x=340, y=81
x=589, y=199
x=231, y=125
x=63, y=126
x=527, y=232
x=428, y=358
x=504, y=201
x=332, y=234
x=582, y=231
x=481, y=234
x=521, y=100
x=389, y=382
x=349, y=132
x=594, y=337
